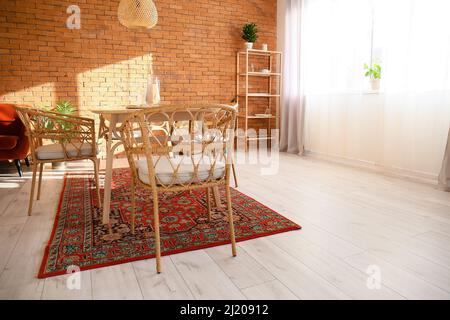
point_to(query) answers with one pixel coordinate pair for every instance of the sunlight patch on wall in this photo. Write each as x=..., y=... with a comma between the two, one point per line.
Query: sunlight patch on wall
x=122, y=83
x=37, y=96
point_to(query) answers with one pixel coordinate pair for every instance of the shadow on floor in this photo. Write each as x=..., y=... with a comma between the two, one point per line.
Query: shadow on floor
x=8, y=169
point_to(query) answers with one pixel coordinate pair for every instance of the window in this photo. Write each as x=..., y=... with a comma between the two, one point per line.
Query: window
x=410, y=39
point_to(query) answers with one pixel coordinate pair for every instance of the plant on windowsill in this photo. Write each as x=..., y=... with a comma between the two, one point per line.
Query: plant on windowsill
x=250, y=35
x=373, y=72
x=64, y=108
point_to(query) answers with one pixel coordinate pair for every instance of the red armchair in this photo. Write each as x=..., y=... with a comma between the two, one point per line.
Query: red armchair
x=14, y=145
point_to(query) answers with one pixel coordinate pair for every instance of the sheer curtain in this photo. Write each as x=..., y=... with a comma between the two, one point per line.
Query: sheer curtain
x=337, y=42
x=405, y=126
x=412, y=41
x=444, y=177
x=292, y=111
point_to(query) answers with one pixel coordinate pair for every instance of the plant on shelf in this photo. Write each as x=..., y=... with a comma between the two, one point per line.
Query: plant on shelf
x=373, y=72
x=250, y=34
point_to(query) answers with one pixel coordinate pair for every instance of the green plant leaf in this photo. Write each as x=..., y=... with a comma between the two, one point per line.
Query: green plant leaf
x=374, y=71
x=250, y=32
x=64, y=107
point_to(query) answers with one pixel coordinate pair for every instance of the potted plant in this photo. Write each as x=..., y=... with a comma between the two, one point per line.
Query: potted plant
x=250, y=35
x=374, y=74
x=62, y=107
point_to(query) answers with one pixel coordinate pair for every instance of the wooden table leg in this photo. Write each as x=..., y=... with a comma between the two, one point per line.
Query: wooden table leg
x=216, y=196
x=108, y=179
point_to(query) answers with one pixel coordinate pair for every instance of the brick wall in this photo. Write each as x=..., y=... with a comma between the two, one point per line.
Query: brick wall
x=193, y=49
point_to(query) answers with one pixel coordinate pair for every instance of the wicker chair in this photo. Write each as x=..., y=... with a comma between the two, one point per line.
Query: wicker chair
x=178, y=148
x=71, y=138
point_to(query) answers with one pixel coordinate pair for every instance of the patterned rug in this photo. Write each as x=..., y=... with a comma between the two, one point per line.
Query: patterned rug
x=79, y=238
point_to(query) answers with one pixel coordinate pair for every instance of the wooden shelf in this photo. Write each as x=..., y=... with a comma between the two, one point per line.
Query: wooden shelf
x=261, y=74
x=269, y=86
x=259, y=95
x=260, y=138
x=259, y=52
x=257, y=117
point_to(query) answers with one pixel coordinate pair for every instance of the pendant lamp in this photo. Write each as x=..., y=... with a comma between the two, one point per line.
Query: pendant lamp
x=137, y=13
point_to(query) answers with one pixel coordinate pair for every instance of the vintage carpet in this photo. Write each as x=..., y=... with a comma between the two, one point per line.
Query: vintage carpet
x=79, y=238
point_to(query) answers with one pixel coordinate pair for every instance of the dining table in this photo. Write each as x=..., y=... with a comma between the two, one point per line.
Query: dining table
x=111, y=119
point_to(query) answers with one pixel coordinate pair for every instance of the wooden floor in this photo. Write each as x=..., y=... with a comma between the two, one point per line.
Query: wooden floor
x=351, y=220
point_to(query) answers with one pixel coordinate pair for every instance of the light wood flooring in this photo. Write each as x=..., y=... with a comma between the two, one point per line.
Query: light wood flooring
x=351, y=219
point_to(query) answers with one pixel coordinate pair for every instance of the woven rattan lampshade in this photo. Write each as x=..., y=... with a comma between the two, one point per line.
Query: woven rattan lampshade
x=138, y=13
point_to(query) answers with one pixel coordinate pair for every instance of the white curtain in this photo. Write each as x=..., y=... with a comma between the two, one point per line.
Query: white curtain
x=336, y=44
x=405, y=126
x=292, y=106
x=444, y=177
x=412, y=41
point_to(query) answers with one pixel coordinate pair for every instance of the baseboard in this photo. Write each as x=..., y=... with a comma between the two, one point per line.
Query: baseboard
x=416, y=176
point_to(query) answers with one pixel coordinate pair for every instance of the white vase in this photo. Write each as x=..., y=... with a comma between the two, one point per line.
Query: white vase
x=375, y=84
x=153, y=91
x=249, y=45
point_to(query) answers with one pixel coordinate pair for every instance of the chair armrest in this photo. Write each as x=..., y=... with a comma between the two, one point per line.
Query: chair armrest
x=68, y=116
x=60, y=128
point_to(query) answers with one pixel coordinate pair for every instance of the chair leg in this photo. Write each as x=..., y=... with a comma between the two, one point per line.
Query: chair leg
x=208, y=203
x=33, y=182
x=156, y=229
x=97, y=181
x=230, y=218
x=19, y=167
x=41, y=168
x=27, y=162
x=133, y=207
x=234, y=175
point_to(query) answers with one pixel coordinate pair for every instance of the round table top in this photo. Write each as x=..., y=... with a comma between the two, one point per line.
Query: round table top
x=120, y=109
x=133, y=108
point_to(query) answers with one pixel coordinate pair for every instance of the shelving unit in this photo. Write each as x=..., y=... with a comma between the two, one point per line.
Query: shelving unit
x=252, y=86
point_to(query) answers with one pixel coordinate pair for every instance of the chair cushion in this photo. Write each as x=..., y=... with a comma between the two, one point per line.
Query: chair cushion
x=164, y=170
x=8, y=142
x=55, y=151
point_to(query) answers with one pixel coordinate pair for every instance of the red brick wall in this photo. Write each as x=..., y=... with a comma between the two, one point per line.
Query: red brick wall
x=193, y=47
